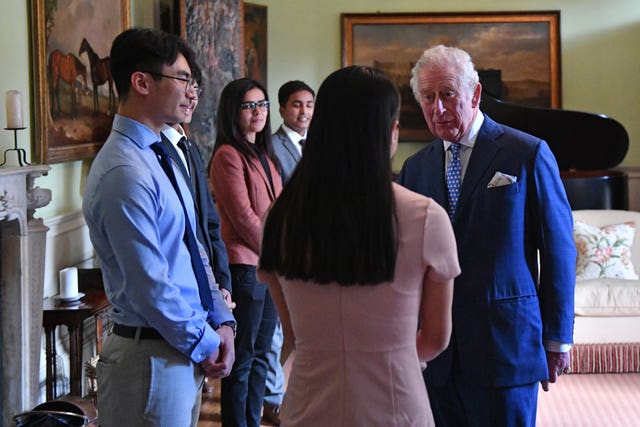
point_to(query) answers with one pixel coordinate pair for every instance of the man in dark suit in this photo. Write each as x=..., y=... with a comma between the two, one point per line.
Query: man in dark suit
x=187, y=156
x=296, y=101
x=513, y=302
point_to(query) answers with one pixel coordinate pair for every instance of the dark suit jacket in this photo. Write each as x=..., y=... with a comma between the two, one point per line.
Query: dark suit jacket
x=287, y=154
x=208, y=220
x=500, y=312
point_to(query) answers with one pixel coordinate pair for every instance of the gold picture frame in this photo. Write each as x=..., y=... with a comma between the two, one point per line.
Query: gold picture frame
x=516, y=53
x=74, y=96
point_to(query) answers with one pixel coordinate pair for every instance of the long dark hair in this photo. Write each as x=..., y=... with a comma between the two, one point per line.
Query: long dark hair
x=335, y=219
x=227, y=128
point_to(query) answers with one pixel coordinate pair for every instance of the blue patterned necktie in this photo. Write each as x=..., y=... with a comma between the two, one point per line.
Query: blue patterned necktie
x=454, y=171
x=189, y=238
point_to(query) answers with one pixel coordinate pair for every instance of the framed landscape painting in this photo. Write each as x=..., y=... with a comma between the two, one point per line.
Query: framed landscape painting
x=74, y=95
x=517, y=54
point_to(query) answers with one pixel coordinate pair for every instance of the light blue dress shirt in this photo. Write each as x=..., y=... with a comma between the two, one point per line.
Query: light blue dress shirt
x=136, y=224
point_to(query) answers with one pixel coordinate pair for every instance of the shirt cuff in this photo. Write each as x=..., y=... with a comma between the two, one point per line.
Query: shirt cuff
x=208, y=344
x=556, y=346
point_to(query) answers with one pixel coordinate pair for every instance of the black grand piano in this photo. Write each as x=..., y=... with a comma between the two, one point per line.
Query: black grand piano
x=586, y=146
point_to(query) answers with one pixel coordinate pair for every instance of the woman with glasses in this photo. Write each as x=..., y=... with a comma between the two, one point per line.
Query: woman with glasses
x=244, y=177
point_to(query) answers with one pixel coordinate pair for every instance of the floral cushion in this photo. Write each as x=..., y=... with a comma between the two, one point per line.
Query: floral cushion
x=604, y=251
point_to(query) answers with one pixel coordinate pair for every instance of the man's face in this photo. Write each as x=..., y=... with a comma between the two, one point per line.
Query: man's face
x=174, y=99
x=193, y=105
x=448, y=108
x=298, y=111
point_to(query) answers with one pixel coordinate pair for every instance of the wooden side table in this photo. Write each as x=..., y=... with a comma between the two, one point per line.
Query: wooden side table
x=93, y=303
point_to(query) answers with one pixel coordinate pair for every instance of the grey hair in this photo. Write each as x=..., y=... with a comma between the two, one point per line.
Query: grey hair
x=442, y=56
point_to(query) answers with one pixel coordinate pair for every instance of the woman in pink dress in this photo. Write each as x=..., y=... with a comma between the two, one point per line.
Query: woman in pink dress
x=354, y=264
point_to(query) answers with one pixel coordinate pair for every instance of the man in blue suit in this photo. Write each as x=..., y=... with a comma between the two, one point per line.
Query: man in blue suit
x=513, y=302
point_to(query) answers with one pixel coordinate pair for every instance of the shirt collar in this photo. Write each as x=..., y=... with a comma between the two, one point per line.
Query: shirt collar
x=172, y=134
x=292, y=134
x=469, y=140
x=137, y=132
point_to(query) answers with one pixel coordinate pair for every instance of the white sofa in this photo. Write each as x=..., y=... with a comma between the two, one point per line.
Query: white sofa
x=607, y=309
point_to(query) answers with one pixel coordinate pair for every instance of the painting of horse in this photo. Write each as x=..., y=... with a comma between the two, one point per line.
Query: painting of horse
x=69, y=39
x=66, y=68
x=100, y=74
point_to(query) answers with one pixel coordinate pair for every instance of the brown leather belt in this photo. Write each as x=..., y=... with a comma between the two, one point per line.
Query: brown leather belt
x=131, y=331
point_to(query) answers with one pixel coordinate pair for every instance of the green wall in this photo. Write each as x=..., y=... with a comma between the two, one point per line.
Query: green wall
x=599, y=61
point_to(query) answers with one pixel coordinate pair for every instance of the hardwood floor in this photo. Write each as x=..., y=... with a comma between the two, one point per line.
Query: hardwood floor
x=210, y=409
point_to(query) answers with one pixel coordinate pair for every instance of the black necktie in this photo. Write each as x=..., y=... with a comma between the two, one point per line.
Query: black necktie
x=182, y=145
x=301, y=142
x=189, y=238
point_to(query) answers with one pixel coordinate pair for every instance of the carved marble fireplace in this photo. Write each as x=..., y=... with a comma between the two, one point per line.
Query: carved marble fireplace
x=22, y=244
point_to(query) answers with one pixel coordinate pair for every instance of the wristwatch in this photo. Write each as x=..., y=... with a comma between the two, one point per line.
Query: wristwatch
x=232, y=324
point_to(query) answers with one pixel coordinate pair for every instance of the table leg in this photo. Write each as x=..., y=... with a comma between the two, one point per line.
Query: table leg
x=50, y=335
x=98, y=318
x=75, y=354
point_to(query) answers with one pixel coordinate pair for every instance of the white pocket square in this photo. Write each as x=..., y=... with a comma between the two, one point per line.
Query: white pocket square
x=500, y=179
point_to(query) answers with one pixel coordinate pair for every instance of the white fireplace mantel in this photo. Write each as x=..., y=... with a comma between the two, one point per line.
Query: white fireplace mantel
x=22, y=241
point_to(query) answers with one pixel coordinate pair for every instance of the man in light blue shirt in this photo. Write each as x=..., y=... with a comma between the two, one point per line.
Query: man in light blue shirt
x=164, y=340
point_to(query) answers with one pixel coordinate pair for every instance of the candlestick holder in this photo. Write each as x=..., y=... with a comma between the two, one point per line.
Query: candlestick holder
x=22, y=154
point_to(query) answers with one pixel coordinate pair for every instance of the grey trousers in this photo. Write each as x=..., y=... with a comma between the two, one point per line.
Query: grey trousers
x=274, y=387
x=147, y=383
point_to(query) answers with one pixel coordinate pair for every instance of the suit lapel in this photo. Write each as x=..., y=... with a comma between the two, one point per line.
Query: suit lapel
x=178, y=161
x=435, y=185
x=289, y=145
x=484, y=151
x=256, y=164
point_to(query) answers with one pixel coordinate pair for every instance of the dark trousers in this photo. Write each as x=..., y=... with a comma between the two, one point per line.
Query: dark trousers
x=468, y=405
x=242, y=392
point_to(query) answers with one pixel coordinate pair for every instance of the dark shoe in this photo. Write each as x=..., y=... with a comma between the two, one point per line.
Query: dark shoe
x=271, y=413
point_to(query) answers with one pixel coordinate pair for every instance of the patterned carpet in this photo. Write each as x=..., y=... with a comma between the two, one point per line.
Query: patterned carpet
x=591, y=400
x=576, y=400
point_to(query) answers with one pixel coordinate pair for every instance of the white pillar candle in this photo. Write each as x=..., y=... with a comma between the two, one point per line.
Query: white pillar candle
x=14, y=109
x=69, y=282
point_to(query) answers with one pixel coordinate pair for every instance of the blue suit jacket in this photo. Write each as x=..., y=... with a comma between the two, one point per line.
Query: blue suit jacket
x=500, y=312
x=287, y=154
x=208, y=220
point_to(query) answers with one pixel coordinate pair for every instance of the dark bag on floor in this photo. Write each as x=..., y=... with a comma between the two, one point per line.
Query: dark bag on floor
x=62, y=412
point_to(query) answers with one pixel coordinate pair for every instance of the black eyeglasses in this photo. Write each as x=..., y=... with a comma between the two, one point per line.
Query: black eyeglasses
x=190, y=82
x=252, y=105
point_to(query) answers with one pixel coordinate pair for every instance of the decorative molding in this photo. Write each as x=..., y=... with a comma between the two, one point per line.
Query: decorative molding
x=61, y=224
x=23, y=243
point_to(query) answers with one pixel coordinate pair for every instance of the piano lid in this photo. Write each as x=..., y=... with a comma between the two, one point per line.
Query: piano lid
x=579, y=140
